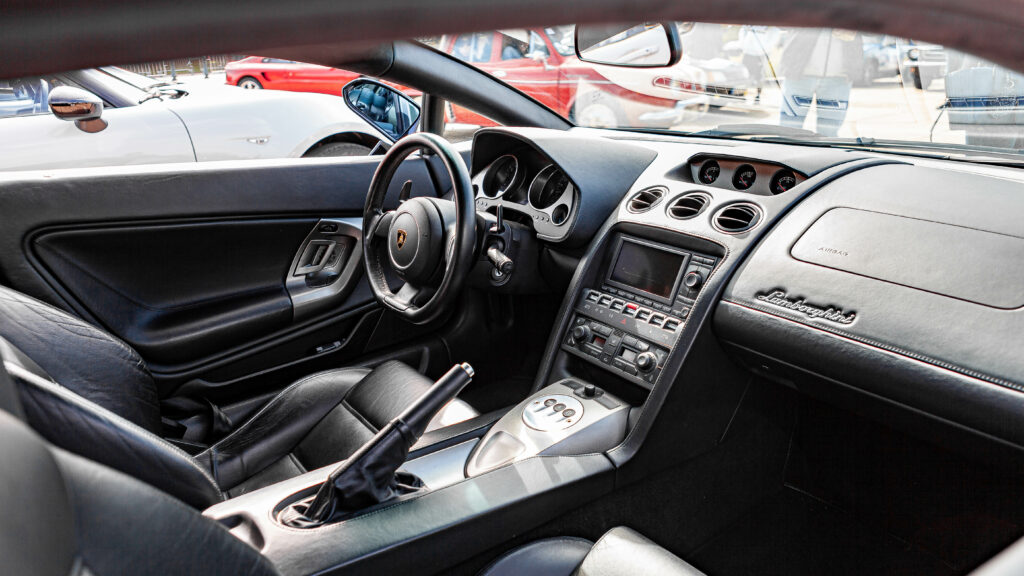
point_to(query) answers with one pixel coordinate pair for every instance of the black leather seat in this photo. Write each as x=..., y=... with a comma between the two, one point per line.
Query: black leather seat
x=620, y=552
x=89, y=393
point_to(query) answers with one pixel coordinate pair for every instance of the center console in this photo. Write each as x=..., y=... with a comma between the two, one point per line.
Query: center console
x=627, y=321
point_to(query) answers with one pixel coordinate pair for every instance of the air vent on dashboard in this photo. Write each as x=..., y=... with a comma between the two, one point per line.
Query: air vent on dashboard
x=645, y=199
x=688, y=205
x=737, y=218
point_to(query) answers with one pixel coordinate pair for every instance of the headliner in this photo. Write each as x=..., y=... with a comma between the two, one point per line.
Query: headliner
x=40, y=36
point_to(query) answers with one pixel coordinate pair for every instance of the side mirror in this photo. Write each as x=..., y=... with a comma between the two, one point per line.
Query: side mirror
x=392, y=112
x=644, y=45
x=77, y=105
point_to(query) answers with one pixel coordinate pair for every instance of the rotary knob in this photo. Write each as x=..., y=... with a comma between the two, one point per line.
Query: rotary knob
x=693, y=280
x=581, y=333
x=646, y=361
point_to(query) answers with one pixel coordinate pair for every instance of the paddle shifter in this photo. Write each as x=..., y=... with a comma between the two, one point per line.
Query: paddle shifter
x=370, y=476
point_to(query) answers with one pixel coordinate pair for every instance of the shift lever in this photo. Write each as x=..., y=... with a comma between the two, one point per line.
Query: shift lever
x=368, y=476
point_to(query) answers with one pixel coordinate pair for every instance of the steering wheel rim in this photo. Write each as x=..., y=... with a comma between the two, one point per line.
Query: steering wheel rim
x=458, y=227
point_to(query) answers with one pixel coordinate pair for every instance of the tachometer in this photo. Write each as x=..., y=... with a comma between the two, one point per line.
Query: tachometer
x=502, y=176
x=744, y=177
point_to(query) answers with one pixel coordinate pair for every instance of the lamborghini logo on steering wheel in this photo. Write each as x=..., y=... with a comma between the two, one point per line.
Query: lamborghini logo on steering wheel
x=400, y=238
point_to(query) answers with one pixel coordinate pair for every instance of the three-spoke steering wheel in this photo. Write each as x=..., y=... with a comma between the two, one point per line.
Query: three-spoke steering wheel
x=426, y=242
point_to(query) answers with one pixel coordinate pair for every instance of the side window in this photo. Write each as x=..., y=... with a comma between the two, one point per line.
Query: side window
x=24, y=97
x=513, y=48
x=475, y=47
x=277, y=61
x=537, y=46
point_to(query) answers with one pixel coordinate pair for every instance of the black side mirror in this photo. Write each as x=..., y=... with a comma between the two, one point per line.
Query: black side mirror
x=632, y=45
x=391, y=111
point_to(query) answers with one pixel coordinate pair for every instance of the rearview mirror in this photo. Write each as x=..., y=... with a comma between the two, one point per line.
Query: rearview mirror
x=78, y=106
x=392, y=112
x=644, y=45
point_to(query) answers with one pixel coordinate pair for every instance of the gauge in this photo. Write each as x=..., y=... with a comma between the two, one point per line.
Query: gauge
x=709, y=172
x=744, y=177
x=501, y=176
x=782, y=180
x=548, y=187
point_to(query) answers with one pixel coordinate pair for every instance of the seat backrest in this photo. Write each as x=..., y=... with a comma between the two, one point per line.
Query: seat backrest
x=80, y=426
x=81, y=357
x=64, y=514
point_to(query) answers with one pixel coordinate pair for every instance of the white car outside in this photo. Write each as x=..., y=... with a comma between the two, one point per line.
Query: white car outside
x=151, y=122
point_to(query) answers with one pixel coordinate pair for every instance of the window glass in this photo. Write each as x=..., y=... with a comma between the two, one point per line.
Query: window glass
x=475, y=47
x=820, y=85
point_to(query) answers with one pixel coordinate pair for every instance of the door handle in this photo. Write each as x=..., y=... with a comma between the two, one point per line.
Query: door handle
x=326, y=266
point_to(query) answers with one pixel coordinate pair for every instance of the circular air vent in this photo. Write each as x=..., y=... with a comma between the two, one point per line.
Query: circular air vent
x=737, y=218
x=645, y=199
x=688, y=205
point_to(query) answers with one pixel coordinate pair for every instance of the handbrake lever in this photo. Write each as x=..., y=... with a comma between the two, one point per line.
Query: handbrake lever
x=368, y=476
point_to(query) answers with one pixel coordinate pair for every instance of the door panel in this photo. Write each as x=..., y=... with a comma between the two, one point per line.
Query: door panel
x=191, y=264
x=177, y=292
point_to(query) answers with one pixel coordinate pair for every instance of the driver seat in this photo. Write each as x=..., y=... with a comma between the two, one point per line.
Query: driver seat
x=89, y=393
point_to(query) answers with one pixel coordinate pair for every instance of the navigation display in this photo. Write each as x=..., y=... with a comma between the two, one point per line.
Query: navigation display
x=647, y=269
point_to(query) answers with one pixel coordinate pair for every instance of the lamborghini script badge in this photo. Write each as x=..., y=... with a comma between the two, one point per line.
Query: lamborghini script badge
x=799, y=305
x=400, y=238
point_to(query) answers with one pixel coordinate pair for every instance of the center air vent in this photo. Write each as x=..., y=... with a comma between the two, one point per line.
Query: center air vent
x=645, y=199
x=737, y=218
x=688, y=206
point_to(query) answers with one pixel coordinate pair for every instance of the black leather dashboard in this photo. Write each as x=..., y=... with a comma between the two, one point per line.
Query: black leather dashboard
x=885, y=267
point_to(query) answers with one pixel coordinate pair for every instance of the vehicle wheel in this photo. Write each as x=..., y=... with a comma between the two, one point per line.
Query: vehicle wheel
x=250, y=83
x=596, y=112
x=338, y=149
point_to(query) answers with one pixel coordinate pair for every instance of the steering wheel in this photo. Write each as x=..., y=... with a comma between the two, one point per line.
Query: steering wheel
x=427, y=243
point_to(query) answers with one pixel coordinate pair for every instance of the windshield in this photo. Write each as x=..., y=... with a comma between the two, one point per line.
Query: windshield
x=814, y=85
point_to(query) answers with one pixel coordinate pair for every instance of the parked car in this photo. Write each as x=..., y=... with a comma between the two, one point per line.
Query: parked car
x=882, y=57
x=147, y=121
x=923, y=63
x=542, y=63
x=258, y=72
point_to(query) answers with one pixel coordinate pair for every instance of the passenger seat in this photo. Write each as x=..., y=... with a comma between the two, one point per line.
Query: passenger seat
x=620, y=552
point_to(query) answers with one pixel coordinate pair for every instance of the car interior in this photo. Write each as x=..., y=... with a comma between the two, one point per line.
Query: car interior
x=546, y=350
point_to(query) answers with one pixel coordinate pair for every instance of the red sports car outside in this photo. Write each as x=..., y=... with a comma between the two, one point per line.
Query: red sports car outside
x=539, y=62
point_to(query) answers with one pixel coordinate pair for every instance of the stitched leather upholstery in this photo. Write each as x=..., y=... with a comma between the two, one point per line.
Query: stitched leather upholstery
x=64, y=514
x=84, y=359
x=109, y=413
x=620, y=552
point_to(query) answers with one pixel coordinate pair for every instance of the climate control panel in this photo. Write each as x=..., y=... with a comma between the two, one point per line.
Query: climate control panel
x=636, y=359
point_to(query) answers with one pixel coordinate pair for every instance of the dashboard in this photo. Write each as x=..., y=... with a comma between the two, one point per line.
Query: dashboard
x=822, y=269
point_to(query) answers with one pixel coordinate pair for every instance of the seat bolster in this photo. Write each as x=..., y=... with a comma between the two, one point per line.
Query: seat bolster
x=88, y=361
x=79, y=426
x=126, y=527
x=625, y=552
x=388, y=390
x=279, y=426
x=548, y=557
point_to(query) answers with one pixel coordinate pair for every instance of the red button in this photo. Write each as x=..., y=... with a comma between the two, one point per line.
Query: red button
x=631, y=306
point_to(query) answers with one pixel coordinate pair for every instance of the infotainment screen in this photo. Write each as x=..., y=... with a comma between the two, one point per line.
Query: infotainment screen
x=648, y=269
